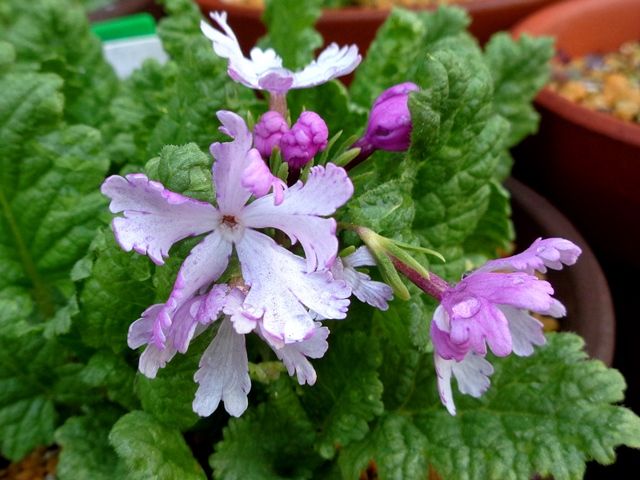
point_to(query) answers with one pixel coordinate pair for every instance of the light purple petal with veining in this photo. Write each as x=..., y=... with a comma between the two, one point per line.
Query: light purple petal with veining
x=376, y=294
x=542, y=254
x=223, y=374
x=141, y=333
x=281, y=288
x=204, y=265
x=518, y=289
x=295, y=355
x=300, y=213
x=333, y=62
x=526, y=331
x=360, y=258
x=231, y=160
x=154, y=218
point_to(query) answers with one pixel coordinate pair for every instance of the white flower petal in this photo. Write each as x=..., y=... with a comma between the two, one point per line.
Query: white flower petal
x=154, y=218
x=472, y=374
x=526, y=331
x=281, y=288
x=376, y=294
x=295, y=355
x=300, y=213
x=223, y=374
x=443, y=372
x=332, y=63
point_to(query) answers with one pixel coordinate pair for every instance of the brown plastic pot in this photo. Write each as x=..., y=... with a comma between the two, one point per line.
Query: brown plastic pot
x=359, y=24
x=126, y=7
x=587, y=162
x=582, y=287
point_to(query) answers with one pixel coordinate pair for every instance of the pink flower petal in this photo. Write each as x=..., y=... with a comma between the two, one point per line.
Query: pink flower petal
x=154, y=218
x=281, y=288
x=295, y=355
x=300, y=213
x=223, y=374
x=542, y=254
x=231, y=160
x=376, y=294
x=204, y=265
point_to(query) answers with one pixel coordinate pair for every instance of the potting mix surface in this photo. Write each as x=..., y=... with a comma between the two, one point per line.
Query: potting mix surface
x=607, y=82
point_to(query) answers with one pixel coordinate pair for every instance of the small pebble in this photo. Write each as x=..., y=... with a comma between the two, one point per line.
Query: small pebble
x=607, y=82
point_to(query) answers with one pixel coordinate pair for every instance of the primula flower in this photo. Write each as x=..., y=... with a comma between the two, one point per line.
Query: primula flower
x=282, y=285
x=258, y=179
x=264, y=70
x=308, y=136
x=223, y=368
x=492, y=308
x=376, y=294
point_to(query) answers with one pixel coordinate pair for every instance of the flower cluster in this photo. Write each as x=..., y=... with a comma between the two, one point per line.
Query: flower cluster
x=283, y=297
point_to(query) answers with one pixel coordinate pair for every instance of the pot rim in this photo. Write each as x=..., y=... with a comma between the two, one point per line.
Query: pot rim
x=349, y=14
x=599, y=122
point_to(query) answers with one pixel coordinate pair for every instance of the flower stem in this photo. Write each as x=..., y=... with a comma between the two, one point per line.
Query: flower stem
x=366, y=150
x=278, y=103
x=432, y=285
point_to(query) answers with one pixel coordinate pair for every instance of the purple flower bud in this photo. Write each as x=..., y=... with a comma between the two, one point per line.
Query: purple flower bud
x=308, y=136
x=258, y=179
x=389, y=126
x=268, y=132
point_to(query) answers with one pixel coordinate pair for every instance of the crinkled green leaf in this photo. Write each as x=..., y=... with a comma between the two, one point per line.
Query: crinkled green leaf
x=396, y=448
x=109, y=372
x=152, y=450
x=457, y=141
x=547, y=414
x=54, y=36
x=273, y=441
x=115, y=295
x=184, y=169
x=49, y=197
x=291, y=34
x=495, y=232
x=347, y=394
x=520, y=69
x=86, y=453
x=28, y=375
x=387, y=209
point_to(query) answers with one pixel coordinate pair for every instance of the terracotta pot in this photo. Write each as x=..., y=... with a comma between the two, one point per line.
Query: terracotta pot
x=583, y=287
x=587, y=162
x=359, y=25
x=126, y=7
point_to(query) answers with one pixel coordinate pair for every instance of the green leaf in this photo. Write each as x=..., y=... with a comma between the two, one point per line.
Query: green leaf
x=348, y=392
x=184, y=169
x=520, y=69
x=27, y=378
x=108, y=371
x=271, y=442
x=291, y=34
x=53, y=36
x=152, y=450
x=115, y=295
x=569, y=419
x=387, y=209
x=396, y=447
x=494, y=233
x=49, y=198
x=86, y=453
x=457, y=141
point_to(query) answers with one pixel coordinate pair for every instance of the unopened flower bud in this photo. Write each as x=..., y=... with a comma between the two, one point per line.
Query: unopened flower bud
x=258, y=179
x=389, y=126
x=308, y=136
x=268, y=132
